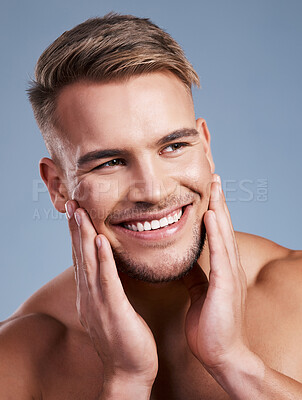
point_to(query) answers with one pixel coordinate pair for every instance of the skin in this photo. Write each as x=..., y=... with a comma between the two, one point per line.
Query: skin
x=210, y=334
x=150, y=182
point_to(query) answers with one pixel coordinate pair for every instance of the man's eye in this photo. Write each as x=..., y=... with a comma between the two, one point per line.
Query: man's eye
x=111, y=163
x=173, y=147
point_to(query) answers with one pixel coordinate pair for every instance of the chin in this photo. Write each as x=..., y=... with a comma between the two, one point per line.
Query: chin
x=169, y=266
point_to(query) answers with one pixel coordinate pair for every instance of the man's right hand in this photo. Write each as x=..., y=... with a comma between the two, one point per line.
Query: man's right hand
x=121, y=337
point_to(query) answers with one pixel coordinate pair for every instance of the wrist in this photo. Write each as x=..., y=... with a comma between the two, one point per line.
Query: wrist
x=240, y=372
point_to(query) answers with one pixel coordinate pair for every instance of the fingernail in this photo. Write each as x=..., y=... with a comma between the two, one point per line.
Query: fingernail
x=77, y=217
x=69, y=209
x=98, y=242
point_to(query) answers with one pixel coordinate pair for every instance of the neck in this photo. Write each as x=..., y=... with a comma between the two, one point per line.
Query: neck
x=163, y=306
x=152, y=297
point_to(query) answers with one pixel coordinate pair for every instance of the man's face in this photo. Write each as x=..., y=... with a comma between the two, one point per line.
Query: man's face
x=140, y=165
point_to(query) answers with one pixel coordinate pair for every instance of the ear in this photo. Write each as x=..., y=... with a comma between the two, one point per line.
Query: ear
x=202, y=128
x=53, y=179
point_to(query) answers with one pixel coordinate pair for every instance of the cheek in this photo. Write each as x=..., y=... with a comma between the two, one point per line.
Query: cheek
x=196, y=174
x=97, y=196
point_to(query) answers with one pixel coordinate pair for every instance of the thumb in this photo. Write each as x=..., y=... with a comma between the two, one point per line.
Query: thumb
x=196, y=282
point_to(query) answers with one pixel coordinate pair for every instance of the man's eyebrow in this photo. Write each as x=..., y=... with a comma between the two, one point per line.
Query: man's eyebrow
x=99, y=154
x=107, y=153
x=180, y=133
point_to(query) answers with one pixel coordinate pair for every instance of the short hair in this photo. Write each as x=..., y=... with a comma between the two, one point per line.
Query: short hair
x=114, y=47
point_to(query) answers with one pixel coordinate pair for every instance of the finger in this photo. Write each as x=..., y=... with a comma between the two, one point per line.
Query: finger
x=71, y=206
x=231, y=244
x=111, y=287
x=74, y=264
x=219, y=261
x=196, y=282
x=218, y=180
x=229, y=217
x=218, y=206
x=81, y=280
x=89, y=258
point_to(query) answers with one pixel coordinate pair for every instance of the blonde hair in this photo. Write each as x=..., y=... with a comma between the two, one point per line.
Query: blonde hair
x=114, y=47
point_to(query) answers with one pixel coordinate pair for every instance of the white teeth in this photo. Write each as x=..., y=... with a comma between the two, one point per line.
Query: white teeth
x=140, y=227
x=163, y=222
x=155, y=224
x=147, y=226
x=170, y=219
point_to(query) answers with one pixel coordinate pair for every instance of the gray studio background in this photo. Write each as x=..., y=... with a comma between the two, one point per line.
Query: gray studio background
x=248, y=56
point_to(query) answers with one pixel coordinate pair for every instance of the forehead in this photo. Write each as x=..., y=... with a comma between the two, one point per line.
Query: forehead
x=139, y=110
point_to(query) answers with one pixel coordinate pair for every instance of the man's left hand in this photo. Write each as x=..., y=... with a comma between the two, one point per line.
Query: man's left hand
x=215, y=323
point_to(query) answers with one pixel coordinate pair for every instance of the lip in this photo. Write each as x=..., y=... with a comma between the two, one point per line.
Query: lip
x=148, y=217
x=156, y=234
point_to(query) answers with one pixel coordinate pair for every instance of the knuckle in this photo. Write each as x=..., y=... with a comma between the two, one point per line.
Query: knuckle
x=85, y=267
x=74, y=259
x=91, y=288
x=104, y=281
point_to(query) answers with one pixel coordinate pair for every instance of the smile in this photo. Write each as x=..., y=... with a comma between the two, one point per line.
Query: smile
x=147, y=229
x=169, y=219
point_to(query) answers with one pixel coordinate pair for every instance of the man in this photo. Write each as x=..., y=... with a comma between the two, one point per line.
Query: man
x=168, y=302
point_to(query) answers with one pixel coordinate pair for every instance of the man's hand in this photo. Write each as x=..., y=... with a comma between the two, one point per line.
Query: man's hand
x=215, y=325
x=120, y=336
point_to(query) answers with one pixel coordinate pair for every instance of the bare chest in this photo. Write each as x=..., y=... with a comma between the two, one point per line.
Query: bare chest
x=74, y=371
x=274, y=330
x=184, y=381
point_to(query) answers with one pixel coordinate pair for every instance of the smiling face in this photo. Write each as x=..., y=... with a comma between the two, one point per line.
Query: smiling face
x=140, y=165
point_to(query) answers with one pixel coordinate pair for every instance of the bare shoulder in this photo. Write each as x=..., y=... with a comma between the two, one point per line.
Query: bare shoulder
x=57, y=299
x=284, y=272
x=274, y=309
x=38, y=329
x=24, y=343
x=257, y=253
x=274, y=269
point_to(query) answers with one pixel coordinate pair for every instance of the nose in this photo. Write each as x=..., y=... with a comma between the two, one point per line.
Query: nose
x=150, y=183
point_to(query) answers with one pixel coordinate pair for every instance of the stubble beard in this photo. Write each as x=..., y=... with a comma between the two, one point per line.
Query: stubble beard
x=169, y=267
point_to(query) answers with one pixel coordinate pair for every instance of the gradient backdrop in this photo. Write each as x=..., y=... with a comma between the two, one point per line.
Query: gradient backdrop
x=248, y=56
